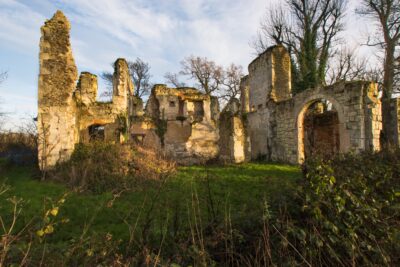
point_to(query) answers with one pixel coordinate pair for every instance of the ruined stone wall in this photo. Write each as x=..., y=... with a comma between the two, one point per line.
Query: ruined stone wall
x=267, y=83
x=184, y=120
x=269, y=79
x=281, y=74
x=66, y=109
x=280, y=135
x=244, y=94
x=232, y=137
x=258, y=130
x=355, y=103
x=122, y=88
x=275, y=119
x=57, y=81
x=113, y=115
x=259, y=81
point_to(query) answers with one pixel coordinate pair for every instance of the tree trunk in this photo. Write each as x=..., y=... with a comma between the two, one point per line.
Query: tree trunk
x=388, y=135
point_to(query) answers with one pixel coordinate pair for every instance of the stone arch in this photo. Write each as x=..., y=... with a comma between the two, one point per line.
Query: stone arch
x=300, y=115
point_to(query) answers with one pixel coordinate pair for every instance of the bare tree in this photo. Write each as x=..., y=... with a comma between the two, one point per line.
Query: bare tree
x=205, y=72
x=308, y=30
x=346, y=65
x=140, y=74
x=108, y=78
x=173, y=79
x=211, y=78
x=274, y=29
x=231, y=82
x=387, y=14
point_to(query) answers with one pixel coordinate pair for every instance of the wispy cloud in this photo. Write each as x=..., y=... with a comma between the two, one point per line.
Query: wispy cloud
x=20, y=25
x=160, y=32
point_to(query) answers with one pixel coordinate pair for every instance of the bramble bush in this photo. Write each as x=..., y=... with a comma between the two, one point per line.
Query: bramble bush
x=350, y=210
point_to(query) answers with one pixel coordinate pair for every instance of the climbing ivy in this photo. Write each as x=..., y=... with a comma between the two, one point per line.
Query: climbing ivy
x=123, y=125
x=161, y=129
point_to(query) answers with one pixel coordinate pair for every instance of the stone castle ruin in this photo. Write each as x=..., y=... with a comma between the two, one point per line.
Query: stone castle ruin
x=282, y=127
x=185, y=124
x=180, y=121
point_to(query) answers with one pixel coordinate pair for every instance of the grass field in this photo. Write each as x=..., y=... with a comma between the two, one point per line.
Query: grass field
x=240, y=190
x=342, y=212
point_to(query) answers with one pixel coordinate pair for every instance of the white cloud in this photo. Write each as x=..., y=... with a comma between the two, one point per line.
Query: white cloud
x=166, y=34
x=160, y=32
x=20, y=26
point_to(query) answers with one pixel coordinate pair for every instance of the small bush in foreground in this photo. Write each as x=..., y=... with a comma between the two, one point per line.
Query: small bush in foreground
x=101, y=167
x=350, y=210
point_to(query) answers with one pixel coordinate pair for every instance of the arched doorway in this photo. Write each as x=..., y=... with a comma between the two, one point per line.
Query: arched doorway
x=320, y=129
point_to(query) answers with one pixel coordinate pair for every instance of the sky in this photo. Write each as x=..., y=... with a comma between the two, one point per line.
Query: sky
x=160, y=32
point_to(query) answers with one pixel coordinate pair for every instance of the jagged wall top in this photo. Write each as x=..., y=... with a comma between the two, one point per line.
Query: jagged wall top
x=186, y=93
x=58, y=72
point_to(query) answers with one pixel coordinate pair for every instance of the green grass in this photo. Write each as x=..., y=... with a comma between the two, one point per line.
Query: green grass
x=240, y=189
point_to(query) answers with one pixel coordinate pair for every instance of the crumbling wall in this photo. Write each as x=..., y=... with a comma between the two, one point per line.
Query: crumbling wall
x=245, y=94
x=114, y=115
x=269, y=79
x=57, y=80
x=259, y=81
x=275, y=119
x=68, y=112
x=281, y=86
x=258, y=130
x=354, y=103
x=184, y=120
x=268, y=83
x=232, y=139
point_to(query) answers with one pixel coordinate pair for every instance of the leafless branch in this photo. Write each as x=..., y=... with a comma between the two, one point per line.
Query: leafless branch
x=205, y=72
x=140, y=74
x=308, y=29
x=173, y=79
x=347, y=66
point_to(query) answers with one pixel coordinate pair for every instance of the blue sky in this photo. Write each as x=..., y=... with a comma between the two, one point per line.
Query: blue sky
x=160, y=32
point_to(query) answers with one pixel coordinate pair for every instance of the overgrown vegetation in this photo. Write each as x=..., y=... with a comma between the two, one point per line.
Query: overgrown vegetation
x=105, y=167
x=350, y=211
x=161, y=128
x=20, y=148
x=343, y=212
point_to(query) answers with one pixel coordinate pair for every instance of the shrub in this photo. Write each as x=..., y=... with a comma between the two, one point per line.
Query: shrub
x=101, y=166
x=151, y=165
x=18, y=148
x=349, y=210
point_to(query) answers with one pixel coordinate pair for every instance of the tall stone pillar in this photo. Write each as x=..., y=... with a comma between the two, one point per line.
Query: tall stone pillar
x=57, y=82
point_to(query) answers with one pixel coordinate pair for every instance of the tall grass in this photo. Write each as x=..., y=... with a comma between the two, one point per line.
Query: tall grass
x=343, y=212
